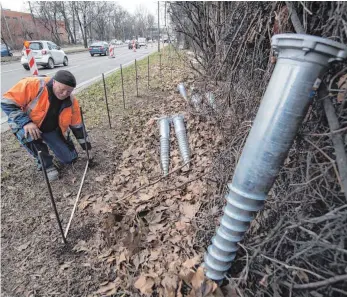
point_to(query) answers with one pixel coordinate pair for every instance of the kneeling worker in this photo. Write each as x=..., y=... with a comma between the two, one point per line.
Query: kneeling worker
x=41, y=111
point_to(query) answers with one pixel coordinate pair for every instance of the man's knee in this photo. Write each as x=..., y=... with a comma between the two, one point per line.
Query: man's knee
x=68, y=158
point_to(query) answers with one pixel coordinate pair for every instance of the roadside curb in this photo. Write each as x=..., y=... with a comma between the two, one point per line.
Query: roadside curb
x=75, y=51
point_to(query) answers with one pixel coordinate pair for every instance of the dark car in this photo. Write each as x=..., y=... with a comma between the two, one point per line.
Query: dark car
x=130, y=44
x=5, y=51
x=99, y=48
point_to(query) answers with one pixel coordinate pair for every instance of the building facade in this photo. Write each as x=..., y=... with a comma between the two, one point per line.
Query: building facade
x=16, y=27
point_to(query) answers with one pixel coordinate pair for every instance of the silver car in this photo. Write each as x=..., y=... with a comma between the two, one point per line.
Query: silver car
x=46, y=53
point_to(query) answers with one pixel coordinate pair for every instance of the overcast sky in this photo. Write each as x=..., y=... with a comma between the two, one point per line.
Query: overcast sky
x=130, y=5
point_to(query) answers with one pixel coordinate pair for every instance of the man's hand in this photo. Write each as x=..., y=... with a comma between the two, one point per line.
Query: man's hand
x=33, y=130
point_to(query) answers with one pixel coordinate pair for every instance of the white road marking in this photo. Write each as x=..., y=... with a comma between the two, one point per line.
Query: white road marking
x=60, y=69
x=11, y=70
x=95, y=78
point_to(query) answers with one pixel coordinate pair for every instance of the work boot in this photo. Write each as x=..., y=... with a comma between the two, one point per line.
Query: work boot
x=59, y=165
x=52, y=173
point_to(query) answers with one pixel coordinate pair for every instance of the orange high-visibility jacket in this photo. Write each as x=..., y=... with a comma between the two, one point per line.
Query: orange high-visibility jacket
x=31, y=95
x=28, y=101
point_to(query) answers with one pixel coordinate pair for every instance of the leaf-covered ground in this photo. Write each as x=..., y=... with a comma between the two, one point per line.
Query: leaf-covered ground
x=134, y=232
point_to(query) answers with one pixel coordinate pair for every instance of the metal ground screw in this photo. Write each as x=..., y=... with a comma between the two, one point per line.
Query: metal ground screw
x=301, y=59
x=181, y=134
x=164, y=129
x=182, y=91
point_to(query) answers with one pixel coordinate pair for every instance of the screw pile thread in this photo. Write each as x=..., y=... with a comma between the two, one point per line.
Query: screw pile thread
x=182, y=138
x=164, y=127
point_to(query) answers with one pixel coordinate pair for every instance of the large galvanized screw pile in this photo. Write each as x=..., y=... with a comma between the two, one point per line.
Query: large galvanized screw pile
x=301, y=60
x=164, y=128
x=196, y=98
x=181, y=134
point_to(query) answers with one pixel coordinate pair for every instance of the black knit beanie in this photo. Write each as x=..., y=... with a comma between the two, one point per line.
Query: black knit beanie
x=65, y=77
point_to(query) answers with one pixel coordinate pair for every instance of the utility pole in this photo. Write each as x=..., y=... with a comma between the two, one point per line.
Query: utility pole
x=165, y=14
x=158, y=31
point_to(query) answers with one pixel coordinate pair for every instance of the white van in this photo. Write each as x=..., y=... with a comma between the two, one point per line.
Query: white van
x=142, y=41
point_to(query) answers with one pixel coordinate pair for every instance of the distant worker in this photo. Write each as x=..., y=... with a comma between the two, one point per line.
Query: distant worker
x=134, y=45
x=41, y=111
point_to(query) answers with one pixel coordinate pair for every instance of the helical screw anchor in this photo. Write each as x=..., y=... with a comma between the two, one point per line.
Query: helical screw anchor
x=164, y=129
x=182, y=138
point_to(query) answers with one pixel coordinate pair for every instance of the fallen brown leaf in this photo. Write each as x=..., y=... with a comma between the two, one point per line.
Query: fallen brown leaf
x=122, y=258
x=100, y=178
x=23, y=246
x=65, y=265
x=102, y=207
x=181, y=225
x=154, y=228
x=170, y=283
x=144, y=284
x=154, y=255
x=145, y=197
x=189, y=210
x=198, y=278
x=108, y=290
x=151, y=237
x=191, y=262
x=85, y=202
x=151, y=122
x=81, y=246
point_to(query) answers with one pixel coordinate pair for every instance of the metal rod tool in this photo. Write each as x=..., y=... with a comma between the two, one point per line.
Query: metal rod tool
x=83, y=177
x=51, y=196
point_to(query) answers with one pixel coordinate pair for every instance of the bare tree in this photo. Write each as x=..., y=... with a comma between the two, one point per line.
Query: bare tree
x=85, y=16
x=141, y=23
x=66, y=13
x=103, y=11
x=119, y=18
x=49, y=16
x=5, y=30
x=101, y=20
x=150, y=24
x=33, y=18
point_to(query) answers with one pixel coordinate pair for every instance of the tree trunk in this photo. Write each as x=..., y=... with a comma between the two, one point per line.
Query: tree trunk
x=67, y=23
x=74, y=23
x=32, y=16
x=81, y=27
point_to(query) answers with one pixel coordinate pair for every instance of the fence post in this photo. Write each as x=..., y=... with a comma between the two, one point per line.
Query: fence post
x=121, y=73
x=160, y=68
x=137, y=83
x=108, y=112
x=148, y=72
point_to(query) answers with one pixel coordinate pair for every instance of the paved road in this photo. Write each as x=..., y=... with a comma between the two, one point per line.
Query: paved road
x=86, y=69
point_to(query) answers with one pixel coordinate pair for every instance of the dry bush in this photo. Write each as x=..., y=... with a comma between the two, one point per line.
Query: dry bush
x=297, y=244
